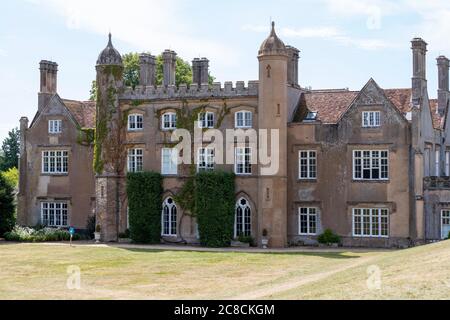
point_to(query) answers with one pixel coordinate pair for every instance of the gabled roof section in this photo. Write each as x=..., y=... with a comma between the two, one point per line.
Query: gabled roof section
x=332, y=104
x=82, y=111
x=438, y=120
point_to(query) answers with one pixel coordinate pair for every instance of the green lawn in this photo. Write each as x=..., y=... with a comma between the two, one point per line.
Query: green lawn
x=39, y=271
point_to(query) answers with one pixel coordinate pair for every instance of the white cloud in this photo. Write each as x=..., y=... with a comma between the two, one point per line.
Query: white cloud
x=320, y=32
x=327, y=33
x=147, y=25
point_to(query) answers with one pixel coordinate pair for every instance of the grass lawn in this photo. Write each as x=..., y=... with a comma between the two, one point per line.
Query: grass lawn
x=39, y=271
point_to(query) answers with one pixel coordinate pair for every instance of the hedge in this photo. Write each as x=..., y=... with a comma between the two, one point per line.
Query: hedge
x=215, y=202
x=144, y=191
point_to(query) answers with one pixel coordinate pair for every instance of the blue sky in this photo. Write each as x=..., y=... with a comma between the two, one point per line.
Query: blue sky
x=343, y=42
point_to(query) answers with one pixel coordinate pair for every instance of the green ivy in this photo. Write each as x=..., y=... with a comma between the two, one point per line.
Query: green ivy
x=214, y=206
x=144, y=191
x=86, y=136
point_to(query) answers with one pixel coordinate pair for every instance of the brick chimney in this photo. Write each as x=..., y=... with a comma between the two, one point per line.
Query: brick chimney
x=443, y=84
x=419, y=78
x=48, y=83
x=293, y=65
x=170, y=62
x=147, y=64
x=200, y=71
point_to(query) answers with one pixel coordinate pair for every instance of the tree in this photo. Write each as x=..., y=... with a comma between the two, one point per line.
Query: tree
x=183, y=73
x=11, y=149
x=7, y=218
x=12, y=177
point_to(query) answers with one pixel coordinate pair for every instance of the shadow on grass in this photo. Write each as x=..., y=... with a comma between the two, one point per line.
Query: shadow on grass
x=328, y=255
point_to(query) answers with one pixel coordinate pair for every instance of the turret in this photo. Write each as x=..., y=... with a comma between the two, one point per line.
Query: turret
x=109, y=142
x=272, y=116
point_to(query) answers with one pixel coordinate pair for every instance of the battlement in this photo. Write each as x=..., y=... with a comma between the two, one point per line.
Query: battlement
x=193, y=91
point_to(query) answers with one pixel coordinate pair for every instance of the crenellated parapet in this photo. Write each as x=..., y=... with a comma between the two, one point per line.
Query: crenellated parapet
x=192, y=91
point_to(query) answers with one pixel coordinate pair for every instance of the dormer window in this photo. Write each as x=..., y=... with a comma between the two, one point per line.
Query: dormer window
x=371, y=119
x=206, y=120
x=311, y=116
x=243, y=119
x=54, y=126
x=169, y=121
x=135, y=122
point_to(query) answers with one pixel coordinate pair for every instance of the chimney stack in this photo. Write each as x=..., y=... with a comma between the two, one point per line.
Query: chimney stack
x=443, y=84
x=200, y=71
x=419, y=79
x=292, y=66
x=147, y=64
x=48, y=83
x=170, y=62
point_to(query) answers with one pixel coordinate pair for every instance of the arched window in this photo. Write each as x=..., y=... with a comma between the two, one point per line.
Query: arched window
x=169, y=218
x=243, y=220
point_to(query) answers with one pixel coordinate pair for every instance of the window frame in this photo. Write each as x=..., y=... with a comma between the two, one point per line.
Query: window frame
x=371, y=158
x=62, y=160
x=171, y=222
x=246, y=123
x=204, y=156
x=308, y=215
x=245, y=214
x=310, y=174
x=135, y=156
x=172, y=121
x=53, y=206
x=379, y=223
x=245, y=165
x=55, y=126
x=447, y=163
x=373, y=119
x=437, y=162
x=133, y=120
x=175, y=168
x=206, y=123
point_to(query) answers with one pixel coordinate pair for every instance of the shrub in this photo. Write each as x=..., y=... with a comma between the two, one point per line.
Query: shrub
x=25, y=234
x=329, y=237
x=90, y=227
x=246, y=239
x=7, y=208
x=124, y=235
x=214, y=206
x=448, y=237
x=144, y=190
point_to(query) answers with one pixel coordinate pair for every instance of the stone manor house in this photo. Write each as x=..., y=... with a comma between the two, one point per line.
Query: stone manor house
x=372, y=165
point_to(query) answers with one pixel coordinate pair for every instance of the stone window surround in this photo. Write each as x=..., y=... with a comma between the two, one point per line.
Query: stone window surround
x=54, y=126
x=130, y=122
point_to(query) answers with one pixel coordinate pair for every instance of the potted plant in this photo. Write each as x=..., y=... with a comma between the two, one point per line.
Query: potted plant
x=97, y=233
x=265, y=239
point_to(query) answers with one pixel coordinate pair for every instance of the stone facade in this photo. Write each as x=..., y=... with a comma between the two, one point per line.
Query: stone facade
x=361, y=163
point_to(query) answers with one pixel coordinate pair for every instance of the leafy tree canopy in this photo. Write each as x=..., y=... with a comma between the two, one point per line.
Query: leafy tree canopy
x=183, y=73
x=11, y=149
x=7, y=219
x=12, y=177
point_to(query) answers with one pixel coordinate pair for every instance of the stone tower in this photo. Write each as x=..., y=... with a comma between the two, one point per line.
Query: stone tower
x=272, y=115
x=108, y=158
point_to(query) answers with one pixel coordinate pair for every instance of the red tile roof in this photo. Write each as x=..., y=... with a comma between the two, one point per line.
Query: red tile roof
x=330, y=105
x=438, y=121
x=83, y=112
